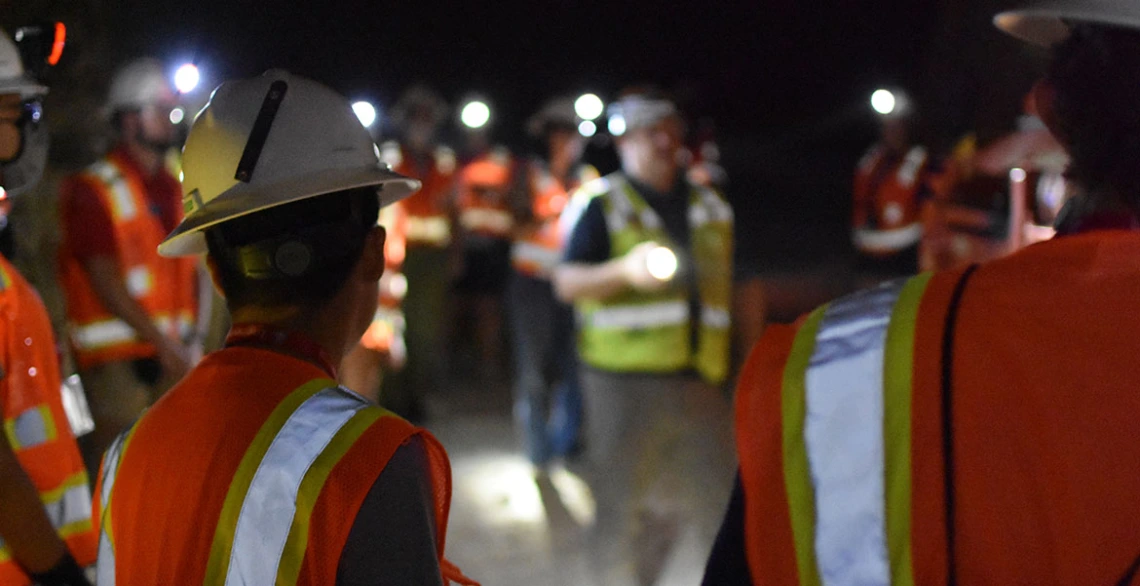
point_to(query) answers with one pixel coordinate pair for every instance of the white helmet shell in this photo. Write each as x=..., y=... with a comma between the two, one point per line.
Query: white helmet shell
x=556, y=111
x=1047, y=22
x=288, y=138
x=140, y=83
x=13, y=79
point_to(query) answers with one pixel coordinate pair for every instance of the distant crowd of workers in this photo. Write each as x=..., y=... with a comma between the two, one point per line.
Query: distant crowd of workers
x=973, y=424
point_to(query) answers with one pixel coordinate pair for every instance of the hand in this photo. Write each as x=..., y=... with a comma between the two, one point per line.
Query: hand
x=635, y=266
x=176, y=359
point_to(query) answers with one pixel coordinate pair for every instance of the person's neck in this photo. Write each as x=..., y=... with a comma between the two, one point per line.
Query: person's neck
x=148, y=160
x=661, y=182
x=317, y=326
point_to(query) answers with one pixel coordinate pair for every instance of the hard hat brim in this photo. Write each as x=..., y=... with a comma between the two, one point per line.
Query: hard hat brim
x=189, y=239
x=1048, y=23
x=24, y=86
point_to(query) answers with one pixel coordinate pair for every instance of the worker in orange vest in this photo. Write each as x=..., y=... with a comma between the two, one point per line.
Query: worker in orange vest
x=905, y=434
x=294, y=479
x=548, y=403
x=130, y=313
x=486, y=227
x=431, y=252
x=46, y=534
x=889, y=188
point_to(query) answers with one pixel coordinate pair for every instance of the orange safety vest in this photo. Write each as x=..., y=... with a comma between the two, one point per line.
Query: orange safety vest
x=537, y=251
x=164, y=287
x=387, y=328
x=35, y=423
x=886, y=211
x=428, y=221
x=483, y=185
x=254, y=466
x=969, y=427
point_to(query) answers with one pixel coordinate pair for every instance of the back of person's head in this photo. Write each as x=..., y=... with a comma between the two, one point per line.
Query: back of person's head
x=1095, y=80
x=295, y=255
x=282, y=186
x=1090, y=97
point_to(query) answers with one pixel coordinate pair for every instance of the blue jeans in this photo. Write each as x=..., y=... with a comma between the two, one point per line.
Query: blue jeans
x=548, y=403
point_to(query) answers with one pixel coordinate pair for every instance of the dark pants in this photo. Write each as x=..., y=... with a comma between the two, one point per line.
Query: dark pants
x=548, y=404
x=426, y=270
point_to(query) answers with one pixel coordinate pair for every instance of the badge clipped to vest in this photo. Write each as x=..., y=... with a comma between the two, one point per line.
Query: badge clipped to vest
x=75, y=406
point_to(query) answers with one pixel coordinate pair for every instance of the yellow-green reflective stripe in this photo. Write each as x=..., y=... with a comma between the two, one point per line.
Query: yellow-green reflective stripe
x=797, y=477
x=222, y=547
x=897, y=387
x=105, y=565
x=314, y=481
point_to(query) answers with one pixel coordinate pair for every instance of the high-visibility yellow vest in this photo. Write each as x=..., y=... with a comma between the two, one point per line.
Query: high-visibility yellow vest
x=651, y=332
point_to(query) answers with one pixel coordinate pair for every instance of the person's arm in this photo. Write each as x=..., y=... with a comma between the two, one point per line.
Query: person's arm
x=107, y=283
x=393, y=539
x=588, y=272
x=25, y=527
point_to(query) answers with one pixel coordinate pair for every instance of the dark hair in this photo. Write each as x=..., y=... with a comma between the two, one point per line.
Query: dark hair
x=334, y=226
x=1096, y=77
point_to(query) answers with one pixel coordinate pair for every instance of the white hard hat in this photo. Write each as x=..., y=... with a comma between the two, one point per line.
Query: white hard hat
x=418, y=96
x=1048, y=22
x=140, y=83
x=640, y=110
x=268, y=141
x=13, y=79
x=556, y=111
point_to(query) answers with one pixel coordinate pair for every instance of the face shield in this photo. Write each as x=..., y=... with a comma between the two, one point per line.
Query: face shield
x=23, y=148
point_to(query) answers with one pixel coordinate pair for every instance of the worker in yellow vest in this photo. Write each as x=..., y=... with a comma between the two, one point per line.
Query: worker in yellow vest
x=648, y=267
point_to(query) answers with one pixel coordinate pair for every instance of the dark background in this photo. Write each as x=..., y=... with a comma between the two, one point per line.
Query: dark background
x=785, y=82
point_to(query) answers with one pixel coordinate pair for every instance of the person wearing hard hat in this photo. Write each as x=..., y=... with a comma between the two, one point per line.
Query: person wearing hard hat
x=293, y=479
x=130, y=312
x=430, y=250
x=648, y=266
x=485, y=229
x=46, y=533
x=889, y=188
x=904, y=435
x=547, y=399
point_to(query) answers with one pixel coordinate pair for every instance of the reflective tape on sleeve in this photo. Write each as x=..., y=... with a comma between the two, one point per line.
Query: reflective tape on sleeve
x=31, y=428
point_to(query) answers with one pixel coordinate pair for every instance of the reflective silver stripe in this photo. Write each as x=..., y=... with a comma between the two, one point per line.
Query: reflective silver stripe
x=432, y=229
x=102, y=334
x=667, y=313
x=139, y=281
x=887, y=240
x=908, y=171
x=271, y=502
x=715, y=317
x=31, y=428
x=496, y=221
x=118, y=188
x=105, y=564
x=529, y=252
x=843, y=432
x=73, y=506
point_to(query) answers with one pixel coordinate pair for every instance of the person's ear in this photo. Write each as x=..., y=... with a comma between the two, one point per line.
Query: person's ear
x=372, y=259
x=1045, y=103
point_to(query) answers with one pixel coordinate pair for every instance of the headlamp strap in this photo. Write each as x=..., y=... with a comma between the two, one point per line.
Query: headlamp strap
x=260, y=131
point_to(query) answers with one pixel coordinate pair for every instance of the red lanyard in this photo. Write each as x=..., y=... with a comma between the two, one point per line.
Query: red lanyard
x=291, y=342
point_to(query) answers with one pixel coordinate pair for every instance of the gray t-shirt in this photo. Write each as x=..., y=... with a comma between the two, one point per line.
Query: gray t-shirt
x=393, y=539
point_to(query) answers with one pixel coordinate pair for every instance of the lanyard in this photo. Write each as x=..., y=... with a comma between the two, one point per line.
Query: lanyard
x=291, y=342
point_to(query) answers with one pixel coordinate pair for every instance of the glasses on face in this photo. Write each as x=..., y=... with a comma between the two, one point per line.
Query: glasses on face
x=31, y=112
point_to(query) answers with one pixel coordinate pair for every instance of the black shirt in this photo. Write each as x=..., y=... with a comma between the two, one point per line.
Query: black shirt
x=589, y=240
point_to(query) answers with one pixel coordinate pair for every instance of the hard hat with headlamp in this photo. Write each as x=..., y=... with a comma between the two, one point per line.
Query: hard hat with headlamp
x=1049, y=22
x=268, y=141
x=556, y=113
x=22, y=167
x=139, y=84
x=639, y=110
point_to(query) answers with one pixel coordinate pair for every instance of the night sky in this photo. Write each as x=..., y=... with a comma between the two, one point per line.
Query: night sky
x=786, y=82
